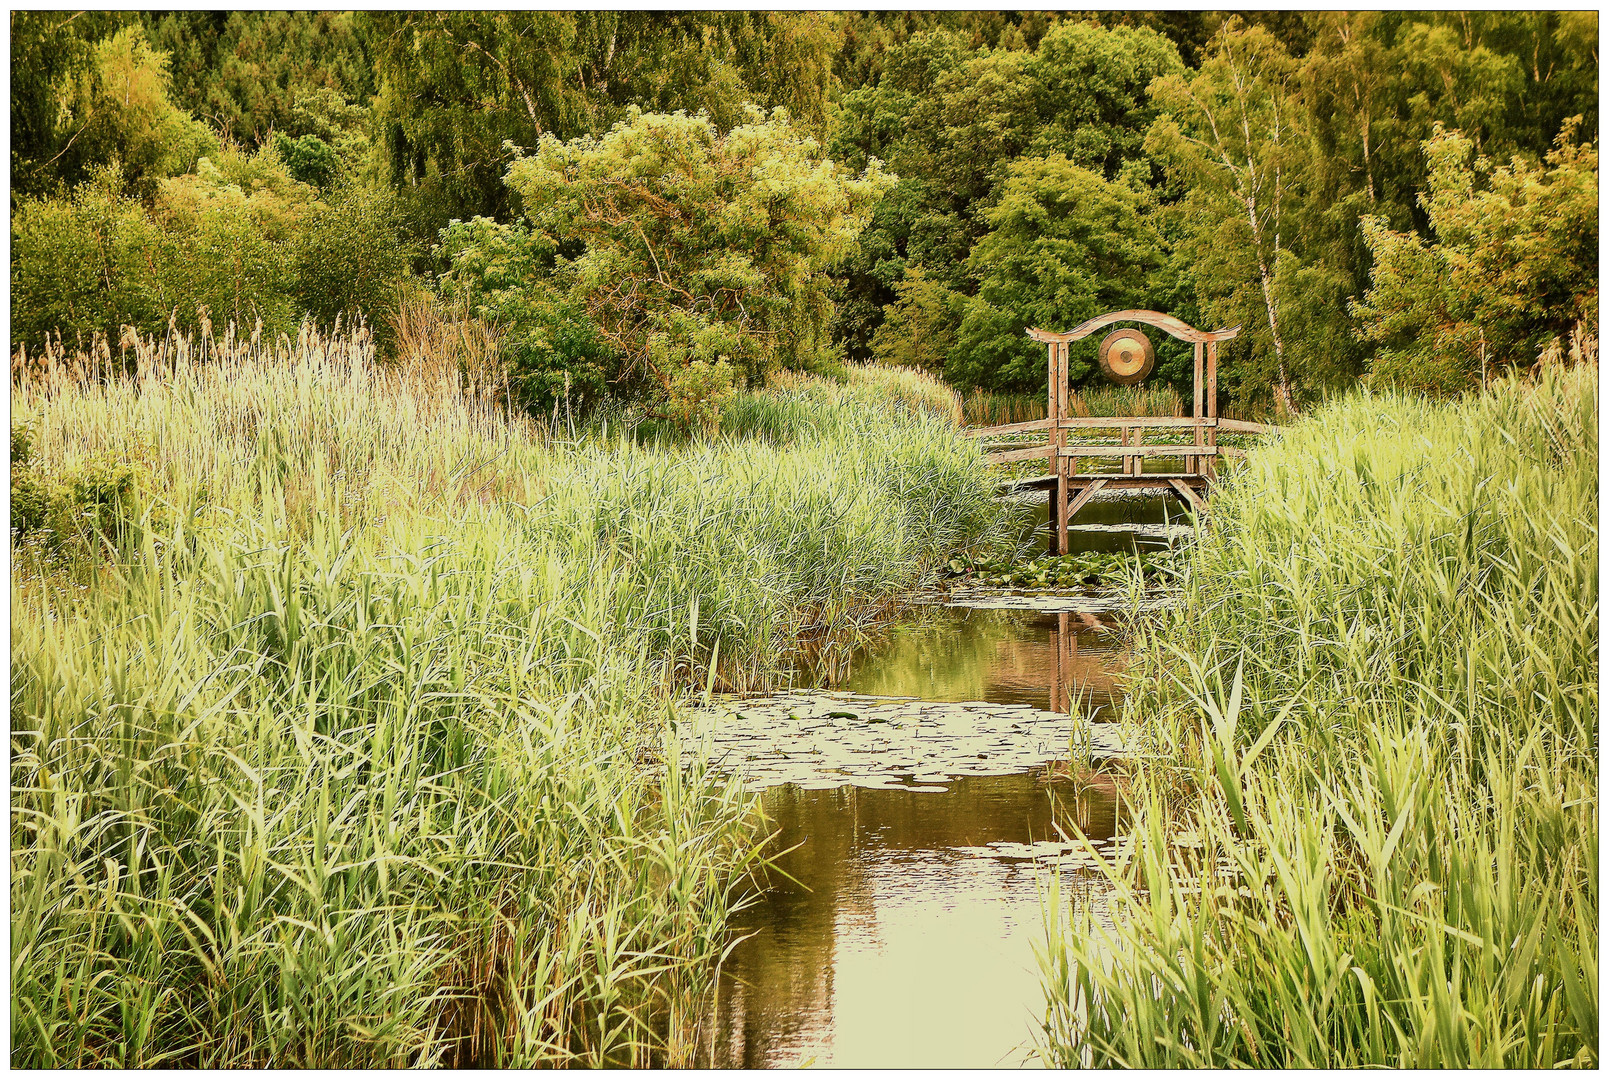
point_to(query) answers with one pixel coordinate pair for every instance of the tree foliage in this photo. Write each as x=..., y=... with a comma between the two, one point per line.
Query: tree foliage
x=463, y=94
x=250, y=73
x=1266, y=169
x=1513, y=266
x=238, y=240
x=1064, y=244
x=701, y=258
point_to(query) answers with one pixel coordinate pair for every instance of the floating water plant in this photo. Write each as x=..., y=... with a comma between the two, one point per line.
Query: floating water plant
x=1079, y=570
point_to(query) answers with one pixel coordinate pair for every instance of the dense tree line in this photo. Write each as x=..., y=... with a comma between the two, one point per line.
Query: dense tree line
x=1407, y=196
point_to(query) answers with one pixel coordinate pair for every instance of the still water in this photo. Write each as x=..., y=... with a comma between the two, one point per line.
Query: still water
x=1004, y=657
x=1122, y=524
x=900, y=928
x=912, y=945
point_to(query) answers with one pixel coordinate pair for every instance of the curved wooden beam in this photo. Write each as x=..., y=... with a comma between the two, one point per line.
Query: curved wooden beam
x=1166, y=323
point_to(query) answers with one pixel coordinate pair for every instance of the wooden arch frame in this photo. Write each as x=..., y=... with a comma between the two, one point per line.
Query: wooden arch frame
x=1200, y=467
x=1177, y=328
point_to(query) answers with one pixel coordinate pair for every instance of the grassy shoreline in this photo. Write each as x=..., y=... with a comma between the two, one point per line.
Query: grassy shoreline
x=349, y=756
x=1368, y=835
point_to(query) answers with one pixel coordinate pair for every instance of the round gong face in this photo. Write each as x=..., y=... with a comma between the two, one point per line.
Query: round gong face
x=1126, y=356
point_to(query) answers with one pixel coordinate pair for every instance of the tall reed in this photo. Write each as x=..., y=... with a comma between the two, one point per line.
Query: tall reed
x=352, y=755
x=1367, y=833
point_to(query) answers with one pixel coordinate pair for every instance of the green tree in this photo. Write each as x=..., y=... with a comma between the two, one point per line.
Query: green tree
x=918, y=330
x=50, y=51
x=114, y=105
x=1064, y=245
x=695, y=252
x=1093, y=92
x=349, y=259
x=228, y=235
x=462, y=94
x=1513, y=267
x=310, y=159
x=951, y=119
x=248, y=72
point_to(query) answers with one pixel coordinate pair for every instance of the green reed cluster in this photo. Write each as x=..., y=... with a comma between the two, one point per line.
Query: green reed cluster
x=348, y=750
x=1367, y=826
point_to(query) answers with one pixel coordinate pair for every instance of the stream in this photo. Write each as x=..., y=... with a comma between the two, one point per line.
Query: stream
x=916, y=823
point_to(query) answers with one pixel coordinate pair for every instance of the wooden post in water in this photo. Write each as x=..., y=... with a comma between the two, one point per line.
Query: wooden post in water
x=1065, y=467
x=1212, y=405
x=1054, y=492
x=1061, y=698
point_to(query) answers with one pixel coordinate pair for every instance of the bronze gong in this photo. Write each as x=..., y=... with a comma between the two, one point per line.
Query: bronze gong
x=1126, y=356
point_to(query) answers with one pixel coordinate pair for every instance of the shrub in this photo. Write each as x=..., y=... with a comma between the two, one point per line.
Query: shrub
x=687, y=246
x=350, y=260
x=498, y=273
x=309, y=159
x=92, y=500
x=83, y=265
x=32, y=501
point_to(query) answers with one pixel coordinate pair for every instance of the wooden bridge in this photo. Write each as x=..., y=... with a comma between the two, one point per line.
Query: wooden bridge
x=1069, y=488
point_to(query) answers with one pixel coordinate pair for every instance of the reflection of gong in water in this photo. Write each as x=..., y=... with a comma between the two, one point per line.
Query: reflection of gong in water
x=1126, y=356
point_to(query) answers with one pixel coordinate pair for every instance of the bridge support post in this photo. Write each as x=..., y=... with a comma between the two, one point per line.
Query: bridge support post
x=1064, y=466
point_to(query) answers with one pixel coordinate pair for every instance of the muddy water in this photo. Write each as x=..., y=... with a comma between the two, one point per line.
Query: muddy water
x=900, y=929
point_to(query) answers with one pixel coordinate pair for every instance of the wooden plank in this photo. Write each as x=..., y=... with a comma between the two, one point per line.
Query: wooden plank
x=1248, y=427
x=1005, y=457
x=1011, y=429
x=1166, y=323
x=1113, y=481
x=1076, y=422
x=1028, y=483
x=1085, y=496
x=1154, y=450
x=1189, y=495
x=1231, y=451
x=1017, y=443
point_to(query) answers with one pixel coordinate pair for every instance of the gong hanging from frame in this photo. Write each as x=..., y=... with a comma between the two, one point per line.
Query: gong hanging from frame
x=1126, y=356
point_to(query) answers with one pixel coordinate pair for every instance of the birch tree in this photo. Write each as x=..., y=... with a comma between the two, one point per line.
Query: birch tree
x=1234, y=131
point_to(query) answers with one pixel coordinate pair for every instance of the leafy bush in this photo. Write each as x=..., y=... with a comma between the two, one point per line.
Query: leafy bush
x=95, y=499
x=310, y=159
x=1064, y=245
x=83, y=265
x=237, y=240
x=552, y=349
x=349, y=259
x=687, y=246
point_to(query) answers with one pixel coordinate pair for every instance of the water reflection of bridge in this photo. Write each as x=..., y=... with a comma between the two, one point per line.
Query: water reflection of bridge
x=1088, y=675
x=1004, y=657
